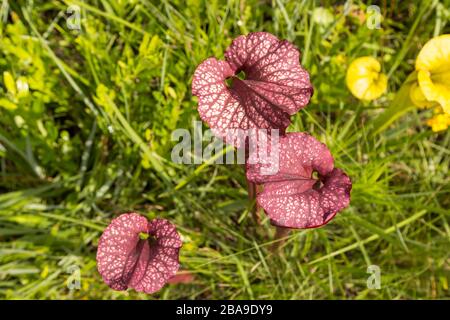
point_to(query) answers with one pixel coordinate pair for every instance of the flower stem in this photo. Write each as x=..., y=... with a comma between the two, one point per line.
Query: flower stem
x=281, y=235
x=252, y=191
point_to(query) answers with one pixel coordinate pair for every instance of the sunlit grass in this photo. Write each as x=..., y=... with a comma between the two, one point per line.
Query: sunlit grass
x=93, y=141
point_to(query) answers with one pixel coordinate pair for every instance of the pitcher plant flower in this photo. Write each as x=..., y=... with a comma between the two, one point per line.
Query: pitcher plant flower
x=136, y=253
x=365, y=80
x=259, y=85
x=433, y=71
x=432, y=88
x=294, y=197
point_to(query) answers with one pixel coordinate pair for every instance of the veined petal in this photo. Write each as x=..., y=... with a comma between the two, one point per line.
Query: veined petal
x=292, y=197
x=274, y=88
x=124, y=260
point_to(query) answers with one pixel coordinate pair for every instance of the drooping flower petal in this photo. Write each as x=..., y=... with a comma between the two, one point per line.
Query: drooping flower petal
x=417, y=97
x=299, y=154
x=125, y=260
x=293, y=197
x=275, y=86
x=365, y=80
x=182, y=277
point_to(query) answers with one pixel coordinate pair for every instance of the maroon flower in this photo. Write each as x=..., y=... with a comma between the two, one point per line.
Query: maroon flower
x=293, y=197
x=275, y=86
x=135, y=253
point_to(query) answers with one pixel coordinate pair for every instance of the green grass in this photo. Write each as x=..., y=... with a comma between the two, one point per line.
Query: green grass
x=92, y=140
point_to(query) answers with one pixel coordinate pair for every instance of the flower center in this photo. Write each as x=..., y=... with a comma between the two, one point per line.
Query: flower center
x=440, y=77
x=240, y=74
x=143, y=235
x=149, y=237
x=318, y=184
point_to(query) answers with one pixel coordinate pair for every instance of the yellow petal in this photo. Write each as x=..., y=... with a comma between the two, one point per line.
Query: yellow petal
x=364, y=79
x=417, y=97
x=433, y=66
x=5, y=103
x=435, y=55
x=439, y=122
x=9, y=83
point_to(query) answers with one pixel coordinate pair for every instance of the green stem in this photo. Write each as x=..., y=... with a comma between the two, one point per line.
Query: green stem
x=398, y=107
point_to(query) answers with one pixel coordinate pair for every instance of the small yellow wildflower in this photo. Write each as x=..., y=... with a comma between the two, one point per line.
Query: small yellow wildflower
x=433, y=71
x=439, y=122
x=364, y=79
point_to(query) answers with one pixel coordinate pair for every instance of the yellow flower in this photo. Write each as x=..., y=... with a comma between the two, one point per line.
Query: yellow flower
x=417, y=97
x=433, y=72
x=364, y=79
x=439, y=122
